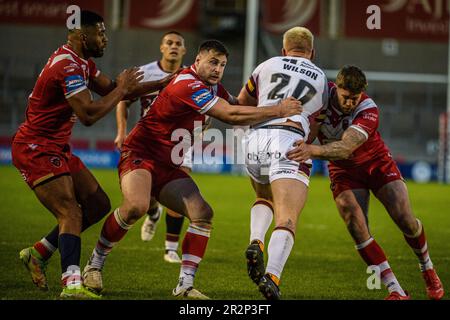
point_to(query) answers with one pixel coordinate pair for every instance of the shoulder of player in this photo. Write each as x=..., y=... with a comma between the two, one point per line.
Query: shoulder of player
x=151, y=66
x=185, y=84
x=367, y=109
x=366, y=105
x=152, y=71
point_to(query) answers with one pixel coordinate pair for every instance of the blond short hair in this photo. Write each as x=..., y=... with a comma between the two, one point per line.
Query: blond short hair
x=298, y=38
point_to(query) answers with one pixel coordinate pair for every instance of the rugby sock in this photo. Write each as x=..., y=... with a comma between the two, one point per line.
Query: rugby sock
x=174, y=226
x=70, y=250
x=48, y=245
x=280, y=246
x=114, y=229
x=193, y=250
x=154, y=213
x=373, y=255
x=261, y=216
x=418, y=242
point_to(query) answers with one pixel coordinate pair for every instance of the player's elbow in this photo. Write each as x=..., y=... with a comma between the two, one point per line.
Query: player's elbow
x=86, y=120
x=233, y=120
x=346, y=153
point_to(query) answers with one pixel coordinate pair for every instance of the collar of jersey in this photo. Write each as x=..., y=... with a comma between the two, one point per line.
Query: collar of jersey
x=66, y=47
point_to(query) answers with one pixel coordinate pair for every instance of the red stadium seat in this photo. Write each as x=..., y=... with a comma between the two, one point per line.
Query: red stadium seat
x=80, y=144
x=5, y=141
x=105, y=145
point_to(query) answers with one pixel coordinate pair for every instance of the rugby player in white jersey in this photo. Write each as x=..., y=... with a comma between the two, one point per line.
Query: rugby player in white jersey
x=173, y=49
x=280, y=184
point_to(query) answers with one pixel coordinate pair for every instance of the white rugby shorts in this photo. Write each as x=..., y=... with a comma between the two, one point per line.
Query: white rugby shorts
x=266, y=161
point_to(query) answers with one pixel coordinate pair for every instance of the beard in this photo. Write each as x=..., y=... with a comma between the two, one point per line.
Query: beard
x=94, y=50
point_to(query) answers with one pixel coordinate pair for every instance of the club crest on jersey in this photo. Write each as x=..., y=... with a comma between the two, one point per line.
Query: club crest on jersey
x=56, y=162
x=202, y=97
x=74, y=82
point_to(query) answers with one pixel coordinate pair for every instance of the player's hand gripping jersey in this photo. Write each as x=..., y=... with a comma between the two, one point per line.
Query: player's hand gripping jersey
x=364, y=118
x=282, y=77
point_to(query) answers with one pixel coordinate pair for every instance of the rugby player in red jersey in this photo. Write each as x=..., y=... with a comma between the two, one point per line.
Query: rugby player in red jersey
x=173, y=49
x=41, y=152
x=360, y=162
x=150, y=160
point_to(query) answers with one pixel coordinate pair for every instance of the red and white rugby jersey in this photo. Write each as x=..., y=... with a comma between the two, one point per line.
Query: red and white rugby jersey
x=364, y=118
x=49, y=117
x=282, y=77
x=183, y=101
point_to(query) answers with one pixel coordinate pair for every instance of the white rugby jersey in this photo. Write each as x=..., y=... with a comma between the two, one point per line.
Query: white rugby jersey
x=152, y=72
x=282, y=77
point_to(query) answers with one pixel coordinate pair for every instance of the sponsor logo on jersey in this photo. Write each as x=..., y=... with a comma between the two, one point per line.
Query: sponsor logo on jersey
x=370, y=116
x=202, y=97
x=74, y=82
x=71, y=68
x=194, y=85
x=285, y=171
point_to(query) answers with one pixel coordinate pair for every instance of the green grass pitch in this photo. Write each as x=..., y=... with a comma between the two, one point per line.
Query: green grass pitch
x=322, y=265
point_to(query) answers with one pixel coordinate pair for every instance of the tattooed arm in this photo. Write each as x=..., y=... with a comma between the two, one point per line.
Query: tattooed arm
x=351, y=140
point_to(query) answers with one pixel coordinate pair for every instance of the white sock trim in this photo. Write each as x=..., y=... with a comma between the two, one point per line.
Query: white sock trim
x=48, y=245
x=364, y=244
x=418, y=232
x=121, y=221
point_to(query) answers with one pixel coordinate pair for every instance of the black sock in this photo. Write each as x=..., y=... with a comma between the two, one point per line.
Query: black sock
x=53, y=236
x=174, y=225
x=70, y=250
x=154, y=213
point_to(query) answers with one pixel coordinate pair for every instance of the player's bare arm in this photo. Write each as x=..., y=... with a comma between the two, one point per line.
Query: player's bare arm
x=121, y=120
x=245, y=99
x=249, y=115
x=102, y=85
x=89, y=111
x=351, y=140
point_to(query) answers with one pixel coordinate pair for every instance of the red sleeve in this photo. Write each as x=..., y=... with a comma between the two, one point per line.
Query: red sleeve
x=194, y=94
x=366, y=121
x=224, y=94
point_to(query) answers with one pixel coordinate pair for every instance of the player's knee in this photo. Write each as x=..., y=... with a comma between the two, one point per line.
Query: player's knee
x=69, y=213
x=96, y=206
x=207, y=212
x=204, y=215
x=407, y=223
x=135, y=211
x=103, y=204
x=67, y=208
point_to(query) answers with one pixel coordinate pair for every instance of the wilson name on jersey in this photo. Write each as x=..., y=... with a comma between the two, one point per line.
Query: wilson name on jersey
x=281, y=77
